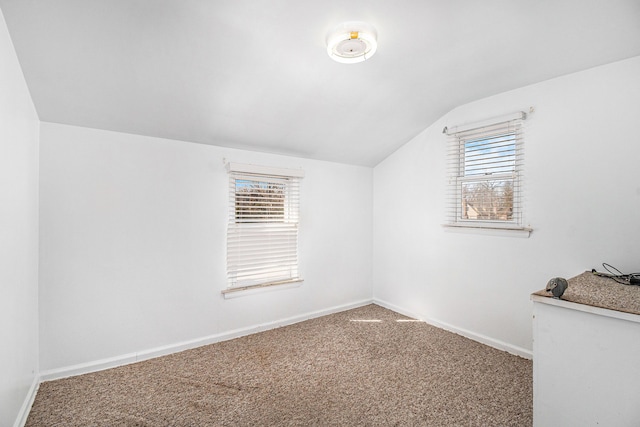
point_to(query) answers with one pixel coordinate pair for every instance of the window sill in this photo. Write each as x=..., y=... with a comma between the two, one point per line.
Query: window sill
x=230, y=293
x=523, y=232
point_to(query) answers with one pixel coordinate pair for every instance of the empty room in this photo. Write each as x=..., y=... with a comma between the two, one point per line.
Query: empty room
x=228, y=213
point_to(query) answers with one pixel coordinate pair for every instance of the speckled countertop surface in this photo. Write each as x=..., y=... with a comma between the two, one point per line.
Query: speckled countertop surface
x=596, y=291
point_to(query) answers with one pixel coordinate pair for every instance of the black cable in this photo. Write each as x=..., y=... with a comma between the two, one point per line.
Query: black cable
x=617, y=275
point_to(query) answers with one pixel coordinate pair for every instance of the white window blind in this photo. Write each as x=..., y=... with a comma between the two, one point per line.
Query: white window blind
x=262, y=233
x=485, y=167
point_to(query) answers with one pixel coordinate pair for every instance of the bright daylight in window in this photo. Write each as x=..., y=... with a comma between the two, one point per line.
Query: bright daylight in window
x=485, y=174
x=262, y=233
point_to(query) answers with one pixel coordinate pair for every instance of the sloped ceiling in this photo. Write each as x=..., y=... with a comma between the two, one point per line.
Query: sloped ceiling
x=254, y=74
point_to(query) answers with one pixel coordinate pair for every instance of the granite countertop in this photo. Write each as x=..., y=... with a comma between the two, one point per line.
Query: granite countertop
x=597, y=291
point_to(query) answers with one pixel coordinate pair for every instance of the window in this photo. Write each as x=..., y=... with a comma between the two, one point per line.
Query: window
x=485, y=164
x=262, y=233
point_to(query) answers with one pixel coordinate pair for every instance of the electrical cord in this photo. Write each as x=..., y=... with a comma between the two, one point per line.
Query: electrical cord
x=618, y=276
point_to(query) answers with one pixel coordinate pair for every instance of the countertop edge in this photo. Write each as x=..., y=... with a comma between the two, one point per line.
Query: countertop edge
x=586, y=308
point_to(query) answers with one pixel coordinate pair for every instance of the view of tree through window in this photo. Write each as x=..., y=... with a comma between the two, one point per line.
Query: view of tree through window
x=259, y=201
x=488, y=179
x=487, y=200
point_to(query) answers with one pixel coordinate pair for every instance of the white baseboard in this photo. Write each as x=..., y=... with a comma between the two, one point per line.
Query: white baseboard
x=125, y=359
x=23, y=414
x=500, y=345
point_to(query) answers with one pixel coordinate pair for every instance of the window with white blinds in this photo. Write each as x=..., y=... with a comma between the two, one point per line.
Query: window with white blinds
x=485, y=166
x=262, y=233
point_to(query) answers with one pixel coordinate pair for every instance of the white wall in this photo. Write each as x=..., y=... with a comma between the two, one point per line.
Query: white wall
x=132, y=245
x=582, y=200
x=18, y=235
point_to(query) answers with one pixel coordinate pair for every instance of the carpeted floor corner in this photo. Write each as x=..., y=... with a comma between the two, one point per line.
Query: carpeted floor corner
x=363, y=367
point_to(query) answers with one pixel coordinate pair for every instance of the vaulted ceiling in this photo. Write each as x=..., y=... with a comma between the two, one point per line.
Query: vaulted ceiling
x=255, y=74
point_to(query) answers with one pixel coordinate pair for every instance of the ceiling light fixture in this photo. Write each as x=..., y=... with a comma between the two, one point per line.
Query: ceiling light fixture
x=352, y=42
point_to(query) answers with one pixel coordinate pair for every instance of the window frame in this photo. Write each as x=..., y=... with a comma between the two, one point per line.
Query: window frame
x=459, y=137
x=262, y=242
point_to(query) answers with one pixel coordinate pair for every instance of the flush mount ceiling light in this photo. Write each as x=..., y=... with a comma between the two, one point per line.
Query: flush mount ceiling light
x=352, y=42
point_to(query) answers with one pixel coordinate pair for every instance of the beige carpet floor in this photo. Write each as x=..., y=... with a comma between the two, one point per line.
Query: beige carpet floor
x=363, y=367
